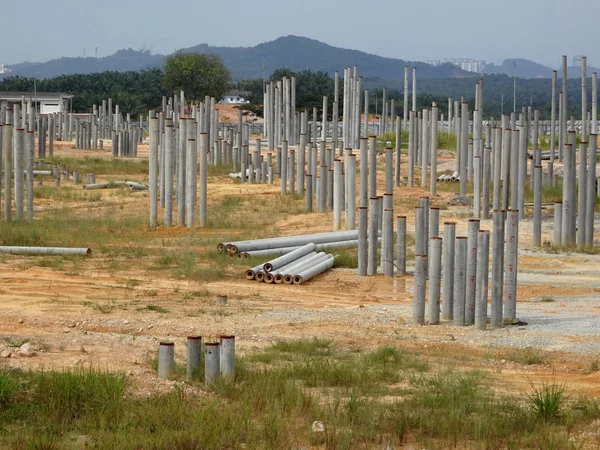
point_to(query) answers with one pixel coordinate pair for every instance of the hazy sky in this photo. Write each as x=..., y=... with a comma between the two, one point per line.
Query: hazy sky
x=541, y=30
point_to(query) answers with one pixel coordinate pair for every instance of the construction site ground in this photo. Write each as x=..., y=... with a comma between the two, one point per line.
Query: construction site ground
x=112, y=309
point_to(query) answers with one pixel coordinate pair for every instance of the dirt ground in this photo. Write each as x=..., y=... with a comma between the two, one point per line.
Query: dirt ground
x=558, y=299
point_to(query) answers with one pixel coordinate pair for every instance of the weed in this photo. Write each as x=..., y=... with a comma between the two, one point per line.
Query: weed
x=9, y=385
x=68, y=395
x=346, y=258
x=202, y=293
x=527, y=356
x=155, y=308
x=367, y=399
x=113, y=166
x=546, y=400
x=10, y=342
x=550, y=194
x=104, y=308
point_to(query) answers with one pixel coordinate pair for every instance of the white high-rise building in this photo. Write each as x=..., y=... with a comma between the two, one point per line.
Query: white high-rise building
x=467, y=64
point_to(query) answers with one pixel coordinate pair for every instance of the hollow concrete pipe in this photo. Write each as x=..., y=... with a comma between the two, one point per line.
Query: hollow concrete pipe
x=212, y=362
x=448, y=270
x=483, y=257
x=227, y=357
x=288, y=241
x=471, y=284
x=314, y=270
x=288, y=276
x=284, y=259
x=460, y=281
x=166, y=360
x=435, y=272
x=558, y=209
x=33, y=251
x=194, y=357
x=419, y=289
x=270, y=276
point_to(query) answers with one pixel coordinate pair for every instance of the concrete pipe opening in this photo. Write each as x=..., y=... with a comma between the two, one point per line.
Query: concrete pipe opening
x=288, y=279
x=298, y=279
x=269, y=278
x=279, y=278
x=260, y=276
x=250, y=274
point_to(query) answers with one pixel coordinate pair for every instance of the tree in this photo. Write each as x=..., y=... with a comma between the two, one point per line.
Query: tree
x=197, y=75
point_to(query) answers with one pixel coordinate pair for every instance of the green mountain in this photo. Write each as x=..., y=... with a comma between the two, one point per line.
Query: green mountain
x=293, y=52
x=299, y=53
x=524, y=68
x=122, y=61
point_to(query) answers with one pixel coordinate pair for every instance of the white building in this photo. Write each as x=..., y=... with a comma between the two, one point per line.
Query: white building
x=235, y=97
x=44, y=102
x=467, y=64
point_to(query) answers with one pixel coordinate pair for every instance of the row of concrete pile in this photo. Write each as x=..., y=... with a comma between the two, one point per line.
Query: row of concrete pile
x=219, y=359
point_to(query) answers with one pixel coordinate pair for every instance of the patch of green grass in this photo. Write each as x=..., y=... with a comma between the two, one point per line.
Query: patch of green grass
x=550, y=194
x=113, y=166
x=65, y=227
x=9, y=385
x=104, y=308
x=70, y=395
x=564, y=249
x=189, y=263
x=202, y=293
x=594, y=366
x=389, y=140
x=312, y=347
x=526, y=357
x=365, y=399
x=346, y=258
x=546, y=401
x=66, y=194
x=155, y=308
x=546, y=299
x=15, y=342
x=219, y=170
x=446, y=141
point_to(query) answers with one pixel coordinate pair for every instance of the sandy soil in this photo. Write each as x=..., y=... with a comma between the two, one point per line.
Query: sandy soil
x=55, y=308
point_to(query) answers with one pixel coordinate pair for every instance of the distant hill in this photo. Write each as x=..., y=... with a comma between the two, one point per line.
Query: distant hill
x=121, y=61
x=299, y=53
x=525, y=68
x=293, y=52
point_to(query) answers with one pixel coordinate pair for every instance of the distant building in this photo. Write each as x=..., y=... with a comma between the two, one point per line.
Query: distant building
x=44, y=102
x=235, y=97
x=3, y=69
x=467, y=64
